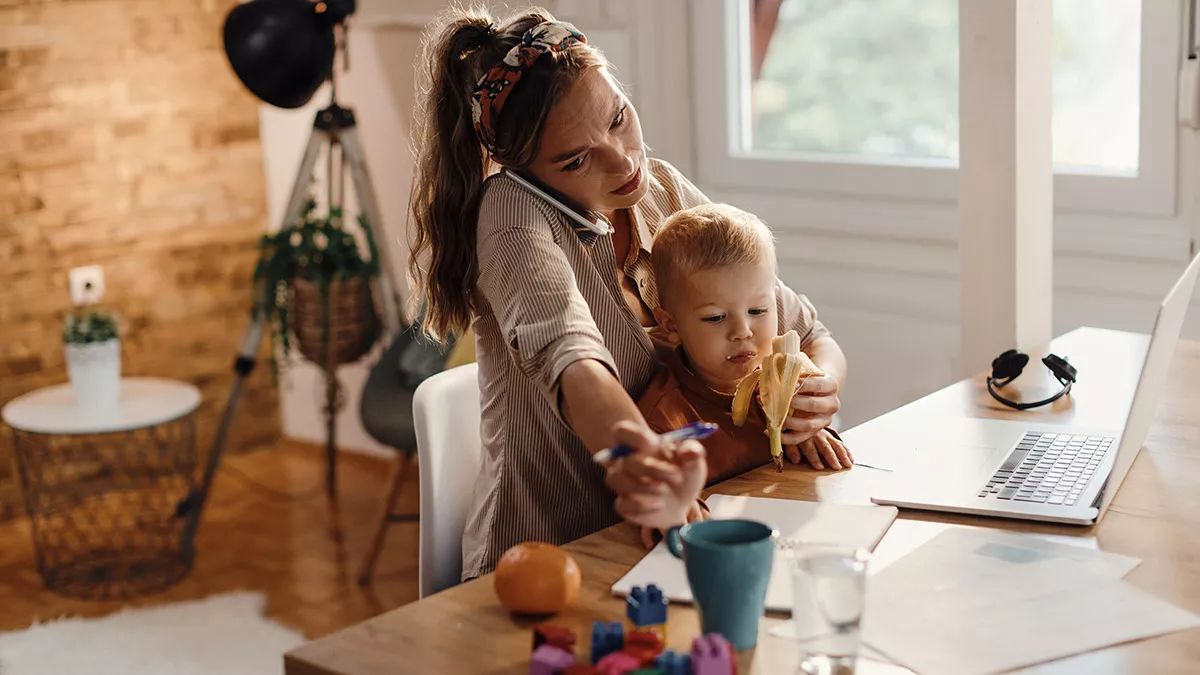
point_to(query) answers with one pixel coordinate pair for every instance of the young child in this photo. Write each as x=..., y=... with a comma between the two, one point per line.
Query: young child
x=716, y=276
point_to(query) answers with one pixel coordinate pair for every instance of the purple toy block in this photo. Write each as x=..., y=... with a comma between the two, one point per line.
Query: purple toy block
x=646, y=607
x=550, y=660
x=618, y=663
x=712, y=655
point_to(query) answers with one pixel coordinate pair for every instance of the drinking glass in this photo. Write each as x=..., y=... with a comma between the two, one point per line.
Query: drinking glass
x=829, y=592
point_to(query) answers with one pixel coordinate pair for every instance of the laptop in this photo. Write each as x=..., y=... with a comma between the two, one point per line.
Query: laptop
x=1054, y=473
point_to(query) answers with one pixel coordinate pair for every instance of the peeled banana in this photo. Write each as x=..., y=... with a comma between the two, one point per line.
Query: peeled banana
x=776, y=382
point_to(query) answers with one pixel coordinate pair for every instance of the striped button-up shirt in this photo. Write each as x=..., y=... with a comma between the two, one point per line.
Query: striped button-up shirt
x=549, y=295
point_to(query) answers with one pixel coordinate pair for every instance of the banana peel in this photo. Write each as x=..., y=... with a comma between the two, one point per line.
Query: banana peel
x=776, y=381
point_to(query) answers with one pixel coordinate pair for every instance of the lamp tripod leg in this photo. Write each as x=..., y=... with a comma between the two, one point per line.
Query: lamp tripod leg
x=299, y=195
x=388, y=289
x=321, y=134
x=193, y=505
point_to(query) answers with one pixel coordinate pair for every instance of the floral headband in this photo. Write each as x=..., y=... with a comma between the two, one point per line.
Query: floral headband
x=494, y=87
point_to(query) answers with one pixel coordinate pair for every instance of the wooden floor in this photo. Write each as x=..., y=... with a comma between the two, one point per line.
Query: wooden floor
x=249, y=540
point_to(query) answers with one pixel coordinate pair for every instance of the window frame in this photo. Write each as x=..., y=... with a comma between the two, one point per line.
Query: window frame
x=719, y=108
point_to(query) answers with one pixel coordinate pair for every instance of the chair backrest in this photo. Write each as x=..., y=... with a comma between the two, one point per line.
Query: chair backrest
x=446, y=418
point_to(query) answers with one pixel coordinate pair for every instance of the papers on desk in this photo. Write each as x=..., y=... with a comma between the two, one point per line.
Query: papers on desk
x=957, y=554
x=978, y=601
x=802, y=522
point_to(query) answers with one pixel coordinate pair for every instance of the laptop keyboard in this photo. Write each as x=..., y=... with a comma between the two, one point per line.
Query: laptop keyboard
x=1048, y=468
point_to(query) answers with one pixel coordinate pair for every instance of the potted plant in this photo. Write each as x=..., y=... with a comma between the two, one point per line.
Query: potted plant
x=316, y=285
x=91, y=338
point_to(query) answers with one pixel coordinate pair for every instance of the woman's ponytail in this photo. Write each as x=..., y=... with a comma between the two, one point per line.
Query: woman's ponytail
x=450, y=169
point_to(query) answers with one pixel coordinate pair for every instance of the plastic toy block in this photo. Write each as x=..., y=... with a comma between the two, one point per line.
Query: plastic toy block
x=644, y=639
x=618, y=663
x=606, y=639
x=559, y=636
x=581, y=668
x=646, y=606
x=674, y=663
x=550, y=660
x=659, y=629
x=647, y=671
x=643, y=645
x=712, y=655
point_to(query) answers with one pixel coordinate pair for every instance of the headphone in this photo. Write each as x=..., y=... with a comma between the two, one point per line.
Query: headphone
x=1007, y=366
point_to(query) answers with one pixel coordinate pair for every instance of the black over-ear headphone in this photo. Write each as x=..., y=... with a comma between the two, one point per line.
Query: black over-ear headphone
x=1007, y=366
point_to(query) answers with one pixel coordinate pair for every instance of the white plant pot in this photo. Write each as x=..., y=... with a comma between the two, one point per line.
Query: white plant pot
x=95, y=373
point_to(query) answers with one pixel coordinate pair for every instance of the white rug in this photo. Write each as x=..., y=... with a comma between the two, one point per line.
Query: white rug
x=221, y=635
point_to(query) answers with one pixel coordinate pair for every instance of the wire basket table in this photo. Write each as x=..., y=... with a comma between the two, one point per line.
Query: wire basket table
x=107, y=491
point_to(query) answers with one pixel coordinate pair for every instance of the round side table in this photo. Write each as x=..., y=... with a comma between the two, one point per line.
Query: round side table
x=106, y=489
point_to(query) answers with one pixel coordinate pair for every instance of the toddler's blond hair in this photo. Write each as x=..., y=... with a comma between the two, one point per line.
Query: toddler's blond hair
x=705, y=237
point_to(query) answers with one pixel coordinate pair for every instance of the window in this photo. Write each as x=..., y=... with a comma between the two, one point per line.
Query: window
x=861, y=97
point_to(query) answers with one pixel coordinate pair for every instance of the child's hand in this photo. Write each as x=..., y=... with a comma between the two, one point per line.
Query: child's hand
x=813, y=407
x=658, y=484
x=821, y=450
x=648, y=540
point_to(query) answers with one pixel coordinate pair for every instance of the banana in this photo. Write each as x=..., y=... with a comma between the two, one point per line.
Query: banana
x=743, y=396
x=776, y=382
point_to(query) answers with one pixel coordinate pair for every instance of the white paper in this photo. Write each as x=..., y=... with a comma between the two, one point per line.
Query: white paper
x=984, y=602
x=961, y=552
x=972, y=551
x=804, y=522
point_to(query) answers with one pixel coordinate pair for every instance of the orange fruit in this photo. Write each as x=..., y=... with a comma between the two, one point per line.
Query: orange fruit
x=536, y=578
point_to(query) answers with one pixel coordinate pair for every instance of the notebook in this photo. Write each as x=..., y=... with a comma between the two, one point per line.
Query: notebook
x=797, y=522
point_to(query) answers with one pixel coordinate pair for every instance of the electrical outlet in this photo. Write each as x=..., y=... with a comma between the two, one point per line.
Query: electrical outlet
x=87, y=285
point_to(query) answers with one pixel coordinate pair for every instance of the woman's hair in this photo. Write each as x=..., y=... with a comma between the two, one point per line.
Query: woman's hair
x=705, y=237
x=451, y=164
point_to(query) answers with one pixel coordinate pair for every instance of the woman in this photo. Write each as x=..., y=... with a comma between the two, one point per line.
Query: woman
x=548, y=261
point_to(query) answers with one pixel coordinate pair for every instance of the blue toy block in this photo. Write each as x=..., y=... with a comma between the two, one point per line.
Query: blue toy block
x=672, y=663
x=606, y=639
x=549, y=660
x=646, y=607
x=712, y=655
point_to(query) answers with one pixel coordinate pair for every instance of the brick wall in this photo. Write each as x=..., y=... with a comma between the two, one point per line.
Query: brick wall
x=126, y=141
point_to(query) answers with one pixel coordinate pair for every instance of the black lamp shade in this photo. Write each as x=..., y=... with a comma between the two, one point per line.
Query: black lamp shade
x=282, y=50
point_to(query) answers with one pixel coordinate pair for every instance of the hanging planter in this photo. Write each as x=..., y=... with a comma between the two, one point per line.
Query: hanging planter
x=319, y=289
x=91, y=340
x=335, y=323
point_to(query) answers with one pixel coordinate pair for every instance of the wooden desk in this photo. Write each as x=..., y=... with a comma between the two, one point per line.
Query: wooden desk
x=1155, y=517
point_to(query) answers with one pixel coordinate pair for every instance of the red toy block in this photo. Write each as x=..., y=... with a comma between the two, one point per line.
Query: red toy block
x=643, y=645
x=617, y=663
x=644, y=639
x=581, y=668
x=559, y=636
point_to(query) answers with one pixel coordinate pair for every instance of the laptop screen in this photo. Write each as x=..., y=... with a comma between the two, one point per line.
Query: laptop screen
x=1167, y=328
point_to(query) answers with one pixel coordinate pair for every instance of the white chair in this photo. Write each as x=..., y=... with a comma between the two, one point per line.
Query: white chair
x=446, y=418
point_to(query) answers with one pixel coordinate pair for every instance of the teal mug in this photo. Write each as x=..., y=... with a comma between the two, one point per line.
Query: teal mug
x=728, y=565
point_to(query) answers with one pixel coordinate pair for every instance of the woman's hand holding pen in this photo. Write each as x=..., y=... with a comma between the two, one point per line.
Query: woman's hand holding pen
x=658, y=482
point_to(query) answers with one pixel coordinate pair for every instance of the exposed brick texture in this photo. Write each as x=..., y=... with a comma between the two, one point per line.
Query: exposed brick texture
x=126, y=141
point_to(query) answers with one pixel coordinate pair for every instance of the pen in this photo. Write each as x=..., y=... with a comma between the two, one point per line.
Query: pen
x=695, y=430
